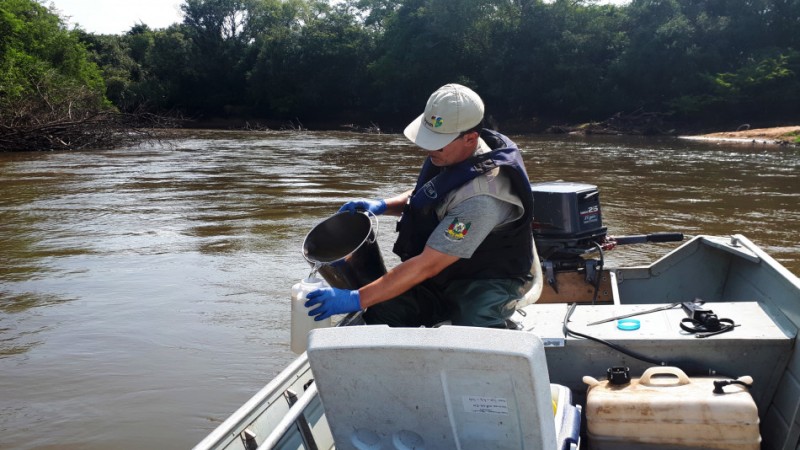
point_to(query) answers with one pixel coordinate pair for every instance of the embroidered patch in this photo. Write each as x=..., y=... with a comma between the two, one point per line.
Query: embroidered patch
x=457, y=230
x=437, y=121
x=430, y=190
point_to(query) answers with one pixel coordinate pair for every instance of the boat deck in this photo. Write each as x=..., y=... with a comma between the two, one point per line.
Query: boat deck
x=758, y=346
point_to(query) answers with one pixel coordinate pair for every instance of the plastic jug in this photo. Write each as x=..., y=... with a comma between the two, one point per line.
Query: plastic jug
x=302, y=323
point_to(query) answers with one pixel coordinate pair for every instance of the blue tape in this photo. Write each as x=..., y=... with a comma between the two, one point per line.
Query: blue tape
x=628, y=324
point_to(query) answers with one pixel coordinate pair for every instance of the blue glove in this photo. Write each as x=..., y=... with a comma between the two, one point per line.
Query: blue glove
x=332, y=301
x=376, y=207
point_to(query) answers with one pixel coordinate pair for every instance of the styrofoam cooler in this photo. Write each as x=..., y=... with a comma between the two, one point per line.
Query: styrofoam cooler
x=673, y=412
x=449, y=387
x=567, y=418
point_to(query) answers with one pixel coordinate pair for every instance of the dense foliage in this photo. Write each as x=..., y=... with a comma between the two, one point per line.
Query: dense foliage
x=706, y=62
x=43, y=68
x=52, y=95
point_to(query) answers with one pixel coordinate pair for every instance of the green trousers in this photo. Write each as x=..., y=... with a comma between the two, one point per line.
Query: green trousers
x=477, y=303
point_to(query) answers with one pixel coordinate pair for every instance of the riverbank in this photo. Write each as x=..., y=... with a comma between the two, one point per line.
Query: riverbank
x=619, y=125
x=789, y=135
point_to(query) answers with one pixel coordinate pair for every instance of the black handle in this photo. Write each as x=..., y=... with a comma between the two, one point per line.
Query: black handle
x=644, y=238
x=665, y=237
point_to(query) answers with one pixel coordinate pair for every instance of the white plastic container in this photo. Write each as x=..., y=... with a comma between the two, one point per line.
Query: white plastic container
x=450, y=387
x=654, y=412
x=302, y=323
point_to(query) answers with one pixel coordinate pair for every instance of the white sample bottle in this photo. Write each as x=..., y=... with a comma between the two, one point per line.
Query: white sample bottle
x=302, y=323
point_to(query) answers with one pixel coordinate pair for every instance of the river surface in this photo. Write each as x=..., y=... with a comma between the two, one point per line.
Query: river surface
x=144, y=292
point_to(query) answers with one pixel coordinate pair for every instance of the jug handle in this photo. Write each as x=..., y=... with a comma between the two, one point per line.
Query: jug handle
x=665, y=370
x=372, y=215
x=590, y=381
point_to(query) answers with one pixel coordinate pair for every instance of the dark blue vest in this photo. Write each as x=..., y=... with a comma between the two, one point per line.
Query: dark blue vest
x=503, y=254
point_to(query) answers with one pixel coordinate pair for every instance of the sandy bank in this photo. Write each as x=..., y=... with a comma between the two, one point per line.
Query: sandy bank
x=775, y=135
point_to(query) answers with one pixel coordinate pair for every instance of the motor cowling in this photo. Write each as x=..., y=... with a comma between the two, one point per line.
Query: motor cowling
x=567, y=219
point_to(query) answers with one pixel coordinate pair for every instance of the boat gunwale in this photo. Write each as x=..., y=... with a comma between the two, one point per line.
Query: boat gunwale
x=232, y=427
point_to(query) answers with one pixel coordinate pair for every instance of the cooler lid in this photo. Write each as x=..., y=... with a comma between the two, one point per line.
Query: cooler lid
x=446, y=387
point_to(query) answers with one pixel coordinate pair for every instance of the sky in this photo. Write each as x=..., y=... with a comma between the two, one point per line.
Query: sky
x=118, y=16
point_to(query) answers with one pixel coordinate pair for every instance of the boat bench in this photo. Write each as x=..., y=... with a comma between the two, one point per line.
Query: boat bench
x=764, y=340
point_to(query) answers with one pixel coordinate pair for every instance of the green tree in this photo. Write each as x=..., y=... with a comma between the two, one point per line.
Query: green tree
x=45, y=72
x=51, y=92
x=426, y=43
x=556, y=61
x=220, y=32
x=330, y=66
x=120, y=70
x=273, y=83
x=565, y=60
x=660, y=56
x=173, y=76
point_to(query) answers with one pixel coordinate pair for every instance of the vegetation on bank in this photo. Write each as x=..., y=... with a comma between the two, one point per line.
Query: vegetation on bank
x=648, y=67
x=52, y=94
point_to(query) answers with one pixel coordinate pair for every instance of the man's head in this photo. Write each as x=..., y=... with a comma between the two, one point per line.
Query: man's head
x=452, y=110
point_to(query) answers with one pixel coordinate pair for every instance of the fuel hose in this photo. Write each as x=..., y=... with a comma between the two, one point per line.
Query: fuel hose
x=568, y=332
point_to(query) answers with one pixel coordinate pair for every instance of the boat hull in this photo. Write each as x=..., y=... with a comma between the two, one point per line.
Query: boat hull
x=735, y=278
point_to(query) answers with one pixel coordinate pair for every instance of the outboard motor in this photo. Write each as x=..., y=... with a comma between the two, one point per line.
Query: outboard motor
x=568, y=224
x=567, y=221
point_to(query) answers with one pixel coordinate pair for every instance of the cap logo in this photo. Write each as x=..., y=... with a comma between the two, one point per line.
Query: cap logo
x=436, y=121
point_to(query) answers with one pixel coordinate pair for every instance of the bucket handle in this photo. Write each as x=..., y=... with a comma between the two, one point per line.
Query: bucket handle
x=665, y=370
x=370, y=215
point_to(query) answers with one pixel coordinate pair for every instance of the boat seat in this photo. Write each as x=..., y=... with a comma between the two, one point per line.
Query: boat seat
x=447, y=387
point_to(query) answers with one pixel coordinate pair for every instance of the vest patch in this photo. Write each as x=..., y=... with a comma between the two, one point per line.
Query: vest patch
x=430, y=189
x=457, y=230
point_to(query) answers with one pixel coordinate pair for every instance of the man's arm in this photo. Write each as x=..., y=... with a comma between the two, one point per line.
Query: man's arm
x=404, y=276
x=476, y=217
x=329, y=301
x=395, y=205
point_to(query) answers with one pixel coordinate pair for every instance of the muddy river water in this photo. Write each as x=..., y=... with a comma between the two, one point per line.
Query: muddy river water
x=144, y=292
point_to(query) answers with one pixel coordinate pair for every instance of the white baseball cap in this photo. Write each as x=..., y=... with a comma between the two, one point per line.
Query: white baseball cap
x=450, y=110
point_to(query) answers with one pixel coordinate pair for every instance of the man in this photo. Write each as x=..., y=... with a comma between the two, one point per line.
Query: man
x=465, y=233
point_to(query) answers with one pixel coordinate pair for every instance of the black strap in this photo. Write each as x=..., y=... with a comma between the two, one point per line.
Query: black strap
x=701, y=330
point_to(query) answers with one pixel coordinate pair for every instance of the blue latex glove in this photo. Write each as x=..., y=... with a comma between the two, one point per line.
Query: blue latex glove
x=376, y=207
x=332, y=301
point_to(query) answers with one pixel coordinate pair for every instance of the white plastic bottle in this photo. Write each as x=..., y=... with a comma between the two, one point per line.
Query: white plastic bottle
x=302, y=323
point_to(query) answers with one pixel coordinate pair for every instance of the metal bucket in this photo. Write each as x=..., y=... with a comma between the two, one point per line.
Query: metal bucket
x=344, y=249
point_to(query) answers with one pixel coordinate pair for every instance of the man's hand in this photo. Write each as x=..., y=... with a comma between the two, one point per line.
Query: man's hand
x=332, y=301
x=376, y=207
